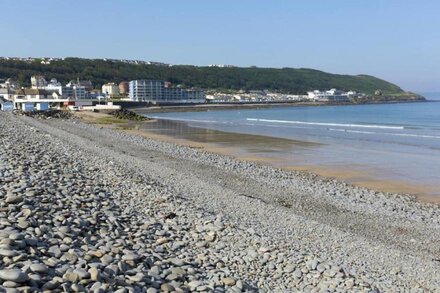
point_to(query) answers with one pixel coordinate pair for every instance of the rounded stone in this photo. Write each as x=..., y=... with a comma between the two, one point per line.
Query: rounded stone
x=14, y=275
x=166, y=288
x=39, y=268
x=228, y=281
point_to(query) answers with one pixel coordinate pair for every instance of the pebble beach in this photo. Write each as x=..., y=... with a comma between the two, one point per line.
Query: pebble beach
x=90, y=209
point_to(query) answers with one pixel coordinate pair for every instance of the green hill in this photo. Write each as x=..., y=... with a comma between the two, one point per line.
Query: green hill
x=287, y=80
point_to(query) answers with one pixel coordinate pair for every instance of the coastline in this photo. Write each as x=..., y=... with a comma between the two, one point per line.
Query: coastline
x=231, y=106
x=247, y=147
x=327, y=234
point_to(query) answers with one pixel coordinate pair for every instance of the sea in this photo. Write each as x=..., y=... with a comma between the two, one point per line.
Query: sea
x=395, y=147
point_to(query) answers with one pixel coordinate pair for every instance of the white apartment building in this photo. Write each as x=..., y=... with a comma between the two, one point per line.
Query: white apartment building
x=146, y=90
x=157, y=91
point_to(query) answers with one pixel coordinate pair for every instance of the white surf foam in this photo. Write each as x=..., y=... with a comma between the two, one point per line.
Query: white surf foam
x=327, y=124
x=386, y=133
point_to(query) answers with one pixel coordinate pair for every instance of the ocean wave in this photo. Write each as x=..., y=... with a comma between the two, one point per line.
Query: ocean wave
x=186, y=120
x=386, y=133
x=328, y=124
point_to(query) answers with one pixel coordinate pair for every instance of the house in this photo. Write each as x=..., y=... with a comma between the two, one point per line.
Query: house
x=123, y=87
x=38, y=82
x=87, y=84
x=110, y=89
x=32, y=94
x=31, y=99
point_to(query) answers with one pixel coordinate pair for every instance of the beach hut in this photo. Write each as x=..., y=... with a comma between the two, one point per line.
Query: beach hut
x=27, y=107
x=6, y=105
x=43, y=106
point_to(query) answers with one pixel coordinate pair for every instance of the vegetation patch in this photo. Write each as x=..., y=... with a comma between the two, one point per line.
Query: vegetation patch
x=109, y=120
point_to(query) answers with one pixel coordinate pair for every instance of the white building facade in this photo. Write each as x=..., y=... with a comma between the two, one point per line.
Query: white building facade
x=110, y=89
x=332, y=95
x=38, y=82
x=146, y=90
x=157, y=91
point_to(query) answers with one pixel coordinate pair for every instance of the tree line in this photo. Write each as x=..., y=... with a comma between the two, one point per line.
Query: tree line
x=284, y=80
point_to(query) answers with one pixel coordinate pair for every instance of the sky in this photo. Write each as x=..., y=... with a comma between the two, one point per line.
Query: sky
x=397, y=40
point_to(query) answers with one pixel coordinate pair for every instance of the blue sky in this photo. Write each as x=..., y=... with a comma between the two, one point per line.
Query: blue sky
x=395, y=40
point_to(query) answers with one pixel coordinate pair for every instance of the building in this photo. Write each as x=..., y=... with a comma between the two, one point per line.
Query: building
x=31, y=94
x=123, y=87
x=7, y=94
x=6, y=105
x=180, y=95
x=74, y=90
x=157, y=91
x=110, y=89
x=65, y=91
x=194, y=96
x=38, y=82
x=94, y=95
x=221, y=65
x=10, y=84
x=53, y=86
x=54, y=82
x=146, y=90
x=332, y=95
x=87, y=84
x=79, y=92
x=69, y=91
x=35, y=99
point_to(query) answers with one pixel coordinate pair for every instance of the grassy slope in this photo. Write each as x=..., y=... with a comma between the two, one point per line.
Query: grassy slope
x=288, y=80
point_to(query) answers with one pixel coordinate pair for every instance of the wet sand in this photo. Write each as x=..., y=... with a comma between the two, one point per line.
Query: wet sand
x=367, y=179
x=225, y=106
x=264, y=150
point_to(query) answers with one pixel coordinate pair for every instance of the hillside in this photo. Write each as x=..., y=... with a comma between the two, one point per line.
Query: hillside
x=287, y=80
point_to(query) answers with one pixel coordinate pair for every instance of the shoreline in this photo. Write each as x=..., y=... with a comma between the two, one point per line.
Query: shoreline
x=188, y=219
x=231, y=106
x=230, y=144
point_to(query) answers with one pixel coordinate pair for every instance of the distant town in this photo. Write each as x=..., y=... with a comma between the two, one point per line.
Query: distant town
x=49, y=60
x=42, y=83
x=44, y=94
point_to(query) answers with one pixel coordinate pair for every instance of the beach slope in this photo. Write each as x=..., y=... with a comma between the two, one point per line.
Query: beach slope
x=85, y=207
